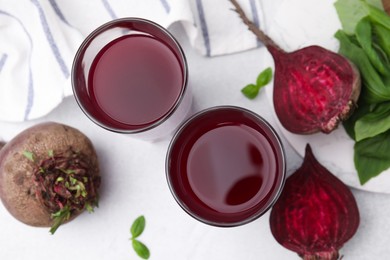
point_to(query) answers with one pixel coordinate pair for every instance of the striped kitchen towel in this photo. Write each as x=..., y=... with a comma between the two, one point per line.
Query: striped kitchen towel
x=38, y=40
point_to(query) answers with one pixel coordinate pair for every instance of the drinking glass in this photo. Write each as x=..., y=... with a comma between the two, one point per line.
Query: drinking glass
x=225, y=166
x=130, y=76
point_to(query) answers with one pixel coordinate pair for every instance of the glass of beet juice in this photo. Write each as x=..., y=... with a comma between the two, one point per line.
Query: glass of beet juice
x=225, y=166
x=130, y=76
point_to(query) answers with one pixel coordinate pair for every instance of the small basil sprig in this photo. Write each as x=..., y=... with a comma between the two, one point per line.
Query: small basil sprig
x=252, y=90
x=136, y=230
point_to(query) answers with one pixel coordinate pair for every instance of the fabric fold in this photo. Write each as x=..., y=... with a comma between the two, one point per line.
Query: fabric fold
x=39, y=39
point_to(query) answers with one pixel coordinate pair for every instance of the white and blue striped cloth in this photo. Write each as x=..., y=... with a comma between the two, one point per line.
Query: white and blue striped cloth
x=38, y=40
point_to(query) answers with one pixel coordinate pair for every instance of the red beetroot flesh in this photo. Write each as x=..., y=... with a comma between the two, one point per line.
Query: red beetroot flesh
x=316, y=212
x=314, y=89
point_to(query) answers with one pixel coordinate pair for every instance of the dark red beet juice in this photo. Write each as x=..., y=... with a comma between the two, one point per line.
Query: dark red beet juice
x=225, y=166
x=135, y=80
x=130, y=76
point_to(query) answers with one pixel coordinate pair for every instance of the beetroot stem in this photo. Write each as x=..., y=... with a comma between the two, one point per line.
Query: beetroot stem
x=59, y=218
x=267, y=41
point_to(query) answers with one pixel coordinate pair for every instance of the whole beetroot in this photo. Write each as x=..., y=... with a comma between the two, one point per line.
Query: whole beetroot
x=49, y=174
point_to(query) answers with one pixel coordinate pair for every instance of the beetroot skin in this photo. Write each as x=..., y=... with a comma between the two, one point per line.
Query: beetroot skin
x=314, y=88
x=316, y=212
x=49, y=174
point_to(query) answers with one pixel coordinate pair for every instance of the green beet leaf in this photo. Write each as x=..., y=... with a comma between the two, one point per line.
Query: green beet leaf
x=372, y=156
x=373, y=123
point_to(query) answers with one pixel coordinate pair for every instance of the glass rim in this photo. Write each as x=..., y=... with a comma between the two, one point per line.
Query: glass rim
x=282, y=163
x=106, y=26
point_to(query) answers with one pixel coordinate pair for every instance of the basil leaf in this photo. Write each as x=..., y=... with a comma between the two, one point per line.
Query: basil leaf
x=250, y=91
x=373, y=123
x=141, y=249
x=137, y=227
x=372, y=156
x=264, y=77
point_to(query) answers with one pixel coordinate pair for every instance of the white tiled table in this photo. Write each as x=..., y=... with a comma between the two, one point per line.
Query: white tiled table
x=134, y=184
